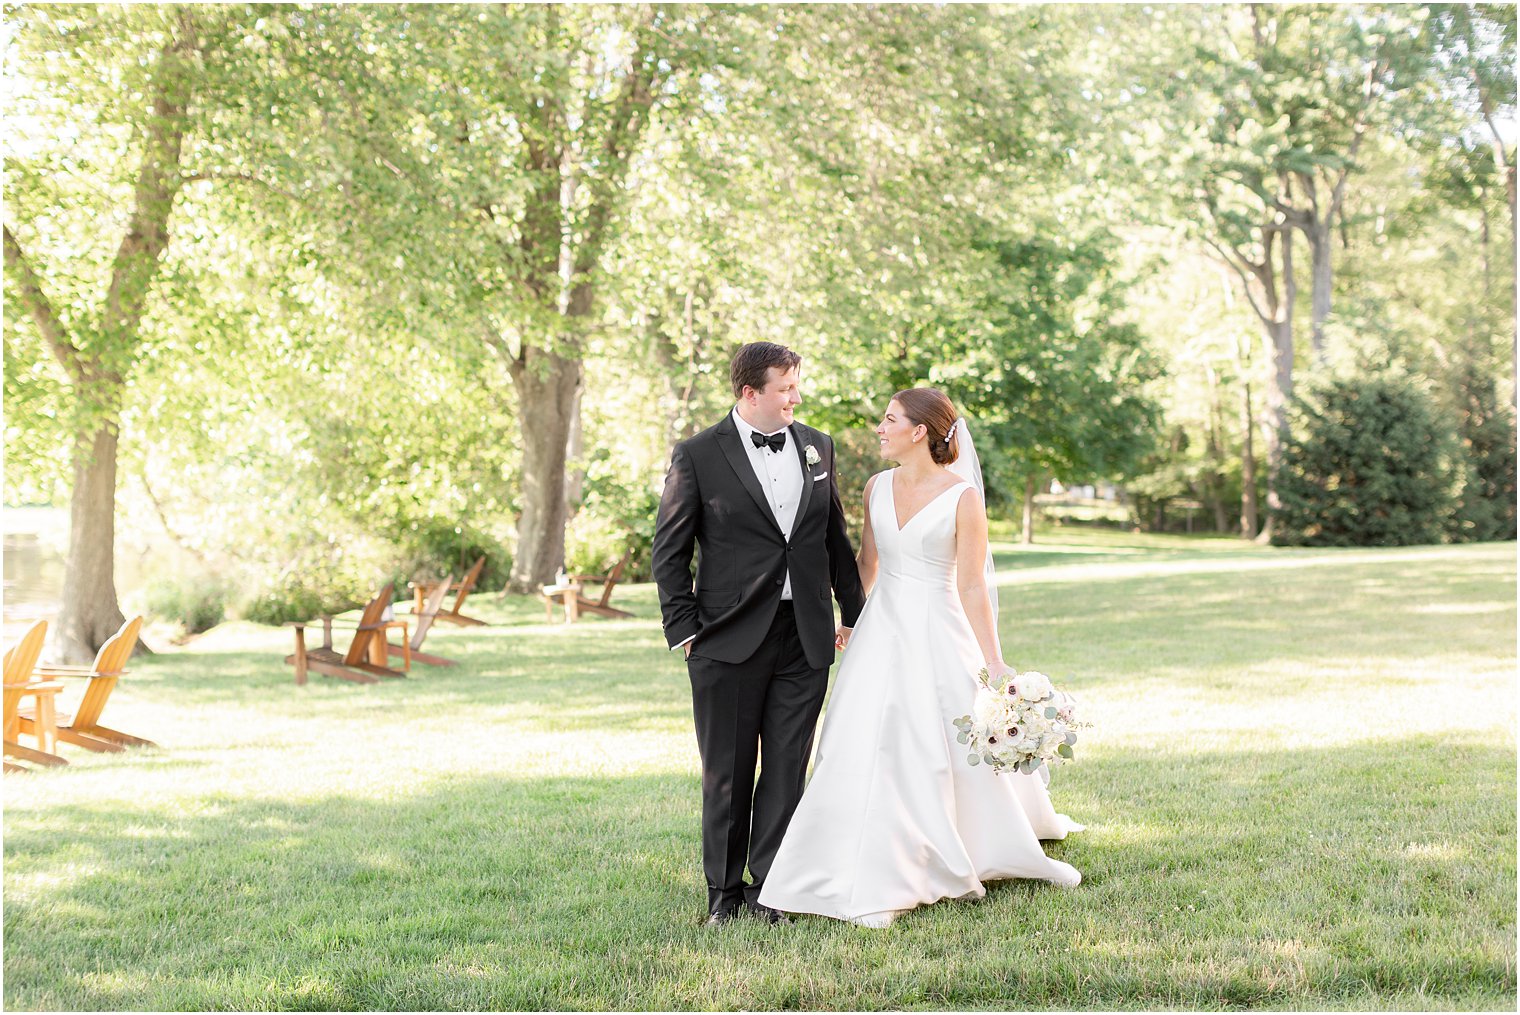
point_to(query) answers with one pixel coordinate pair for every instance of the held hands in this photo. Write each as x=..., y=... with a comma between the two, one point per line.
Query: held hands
x=842, y=638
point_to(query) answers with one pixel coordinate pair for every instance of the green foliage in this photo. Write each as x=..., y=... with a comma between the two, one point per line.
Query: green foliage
x=593, y=545
x=1038, y=356
x=1368, y=463
x=857, y=457
x=319, y=583
x=616, y=516
x=431, y=548
x=198, y=603
x=1188, y=469
x=371, y=225
x=1486, y=429
x=1028, y=339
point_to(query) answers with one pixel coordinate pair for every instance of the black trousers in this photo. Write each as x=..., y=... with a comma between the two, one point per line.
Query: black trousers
x=764, y=709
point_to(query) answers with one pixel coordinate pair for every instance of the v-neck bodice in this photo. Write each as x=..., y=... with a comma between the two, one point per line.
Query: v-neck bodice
x=923, y=548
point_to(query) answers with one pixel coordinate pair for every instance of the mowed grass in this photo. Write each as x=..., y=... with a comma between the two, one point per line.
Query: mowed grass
x=1299, y=792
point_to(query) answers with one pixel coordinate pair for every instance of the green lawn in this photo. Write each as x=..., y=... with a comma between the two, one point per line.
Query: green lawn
x=1300, y=793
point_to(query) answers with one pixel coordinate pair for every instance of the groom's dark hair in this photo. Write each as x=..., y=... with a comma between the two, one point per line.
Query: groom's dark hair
x=753, y=361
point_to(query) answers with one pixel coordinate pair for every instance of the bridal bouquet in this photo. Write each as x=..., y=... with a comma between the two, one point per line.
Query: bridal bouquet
x=1019, y=722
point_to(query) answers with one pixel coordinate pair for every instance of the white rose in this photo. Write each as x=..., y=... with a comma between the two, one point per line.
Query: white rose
x=990, y=709
x=1034, y=686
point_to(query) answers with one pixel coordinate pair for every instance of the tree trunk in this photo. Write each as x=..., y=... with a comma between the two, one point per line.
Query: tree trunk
x=548, y=387
x=1274, y=310
x=1279, y=332
x=1214, y=488
x=1321, y=280
x=1487, y=246
x=90, y=611
x=1027, y=536
x=1248, y=508
x=562, y=250
x=575, y=447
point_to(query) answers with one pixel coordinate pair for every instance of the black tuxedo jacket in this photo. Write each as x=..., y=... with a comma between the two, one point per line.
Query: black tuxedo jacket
x=712, y=500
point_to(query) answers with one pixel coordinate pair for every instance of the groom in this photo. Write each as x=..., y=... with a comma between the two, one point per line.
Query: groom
x=757, y=494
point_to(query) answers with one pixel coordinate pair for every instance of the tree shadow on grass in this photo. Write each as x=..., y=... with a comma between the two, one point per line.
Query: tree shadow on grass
x=1191, y=630
x=528, y=664
x=1231, y=879
x=1200, y=621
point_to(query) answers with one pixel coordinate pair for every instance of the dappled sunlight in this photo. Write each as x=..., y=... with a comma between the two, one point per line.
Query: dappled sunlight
x=47, y=882
x=1436, y=852
x=106, y=984
x=1463, y=609
x=1275, y=560
x=238, y=636
x=1340, y=700
x=1268, y=765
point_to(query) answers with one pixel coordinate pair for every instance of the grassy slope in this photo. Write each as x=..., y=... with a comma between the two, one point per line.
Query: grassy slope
x=1300, y=793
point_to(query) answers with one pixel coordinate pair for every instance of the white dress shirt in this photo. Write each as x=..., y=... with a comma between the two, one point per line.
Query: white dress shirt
x=780, y=477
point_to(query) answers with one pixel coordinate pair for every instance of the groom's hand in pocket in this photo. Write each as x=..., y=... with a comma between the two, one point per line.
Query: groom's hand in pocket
x=842, y=638
x=687, y=649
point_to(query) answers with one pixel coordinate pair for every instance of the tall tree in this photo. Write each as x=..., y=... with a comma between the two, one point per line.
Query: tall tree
x=123, y=117
x=509, y=133
x=1272, y=116
x=88, y=307
x=1332, y=77
x=1476, y=45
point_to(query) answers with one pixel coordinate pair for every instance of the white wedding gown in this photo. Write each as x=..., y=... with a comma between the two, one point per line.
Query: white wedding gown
x=894, y=816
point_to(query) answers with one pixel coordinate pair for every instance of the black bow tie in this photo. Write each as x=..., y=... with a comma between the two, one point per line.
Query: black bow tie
x=775, y=441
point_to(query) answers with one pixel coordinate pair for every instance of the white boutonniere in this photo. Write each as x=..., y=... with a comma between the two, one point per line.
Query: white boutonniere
x=810, y=453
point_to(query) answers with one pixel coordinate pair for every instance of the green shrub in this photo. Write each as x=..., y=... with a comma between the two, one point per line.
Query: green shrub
x=436, y=547
x=198, y=604
x=617, y=514
x=1486, y=428
x=1366, y=463
x=593, y=545
x=857, y=457
x=314, y=587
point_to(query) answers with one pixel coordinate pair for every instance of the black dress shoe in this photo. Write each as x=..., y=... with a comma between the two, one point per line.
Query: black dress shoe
x=719, y=917
x=769, y=915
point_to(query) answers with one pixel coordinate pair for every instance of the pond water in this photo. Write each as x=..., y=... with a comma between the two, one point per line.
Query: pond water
x=36, y=544
x=35, y=541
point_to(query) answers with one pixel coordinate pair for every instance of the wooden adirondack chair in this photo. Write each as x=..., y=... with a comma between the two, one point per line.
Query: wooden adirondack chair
x=83, y=727
x=425, y=617
x=364, y=662
x=571, y=592
x=464, y=587
x=20, y=665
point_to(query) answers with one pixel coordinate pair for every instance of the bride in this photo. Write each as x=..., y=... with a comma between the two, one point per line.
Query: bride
x=894, y=817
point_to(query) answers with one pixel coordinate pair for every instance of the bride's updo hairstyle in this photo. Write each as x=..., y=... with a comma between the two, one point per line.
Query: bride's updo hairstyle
x=930, y=408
